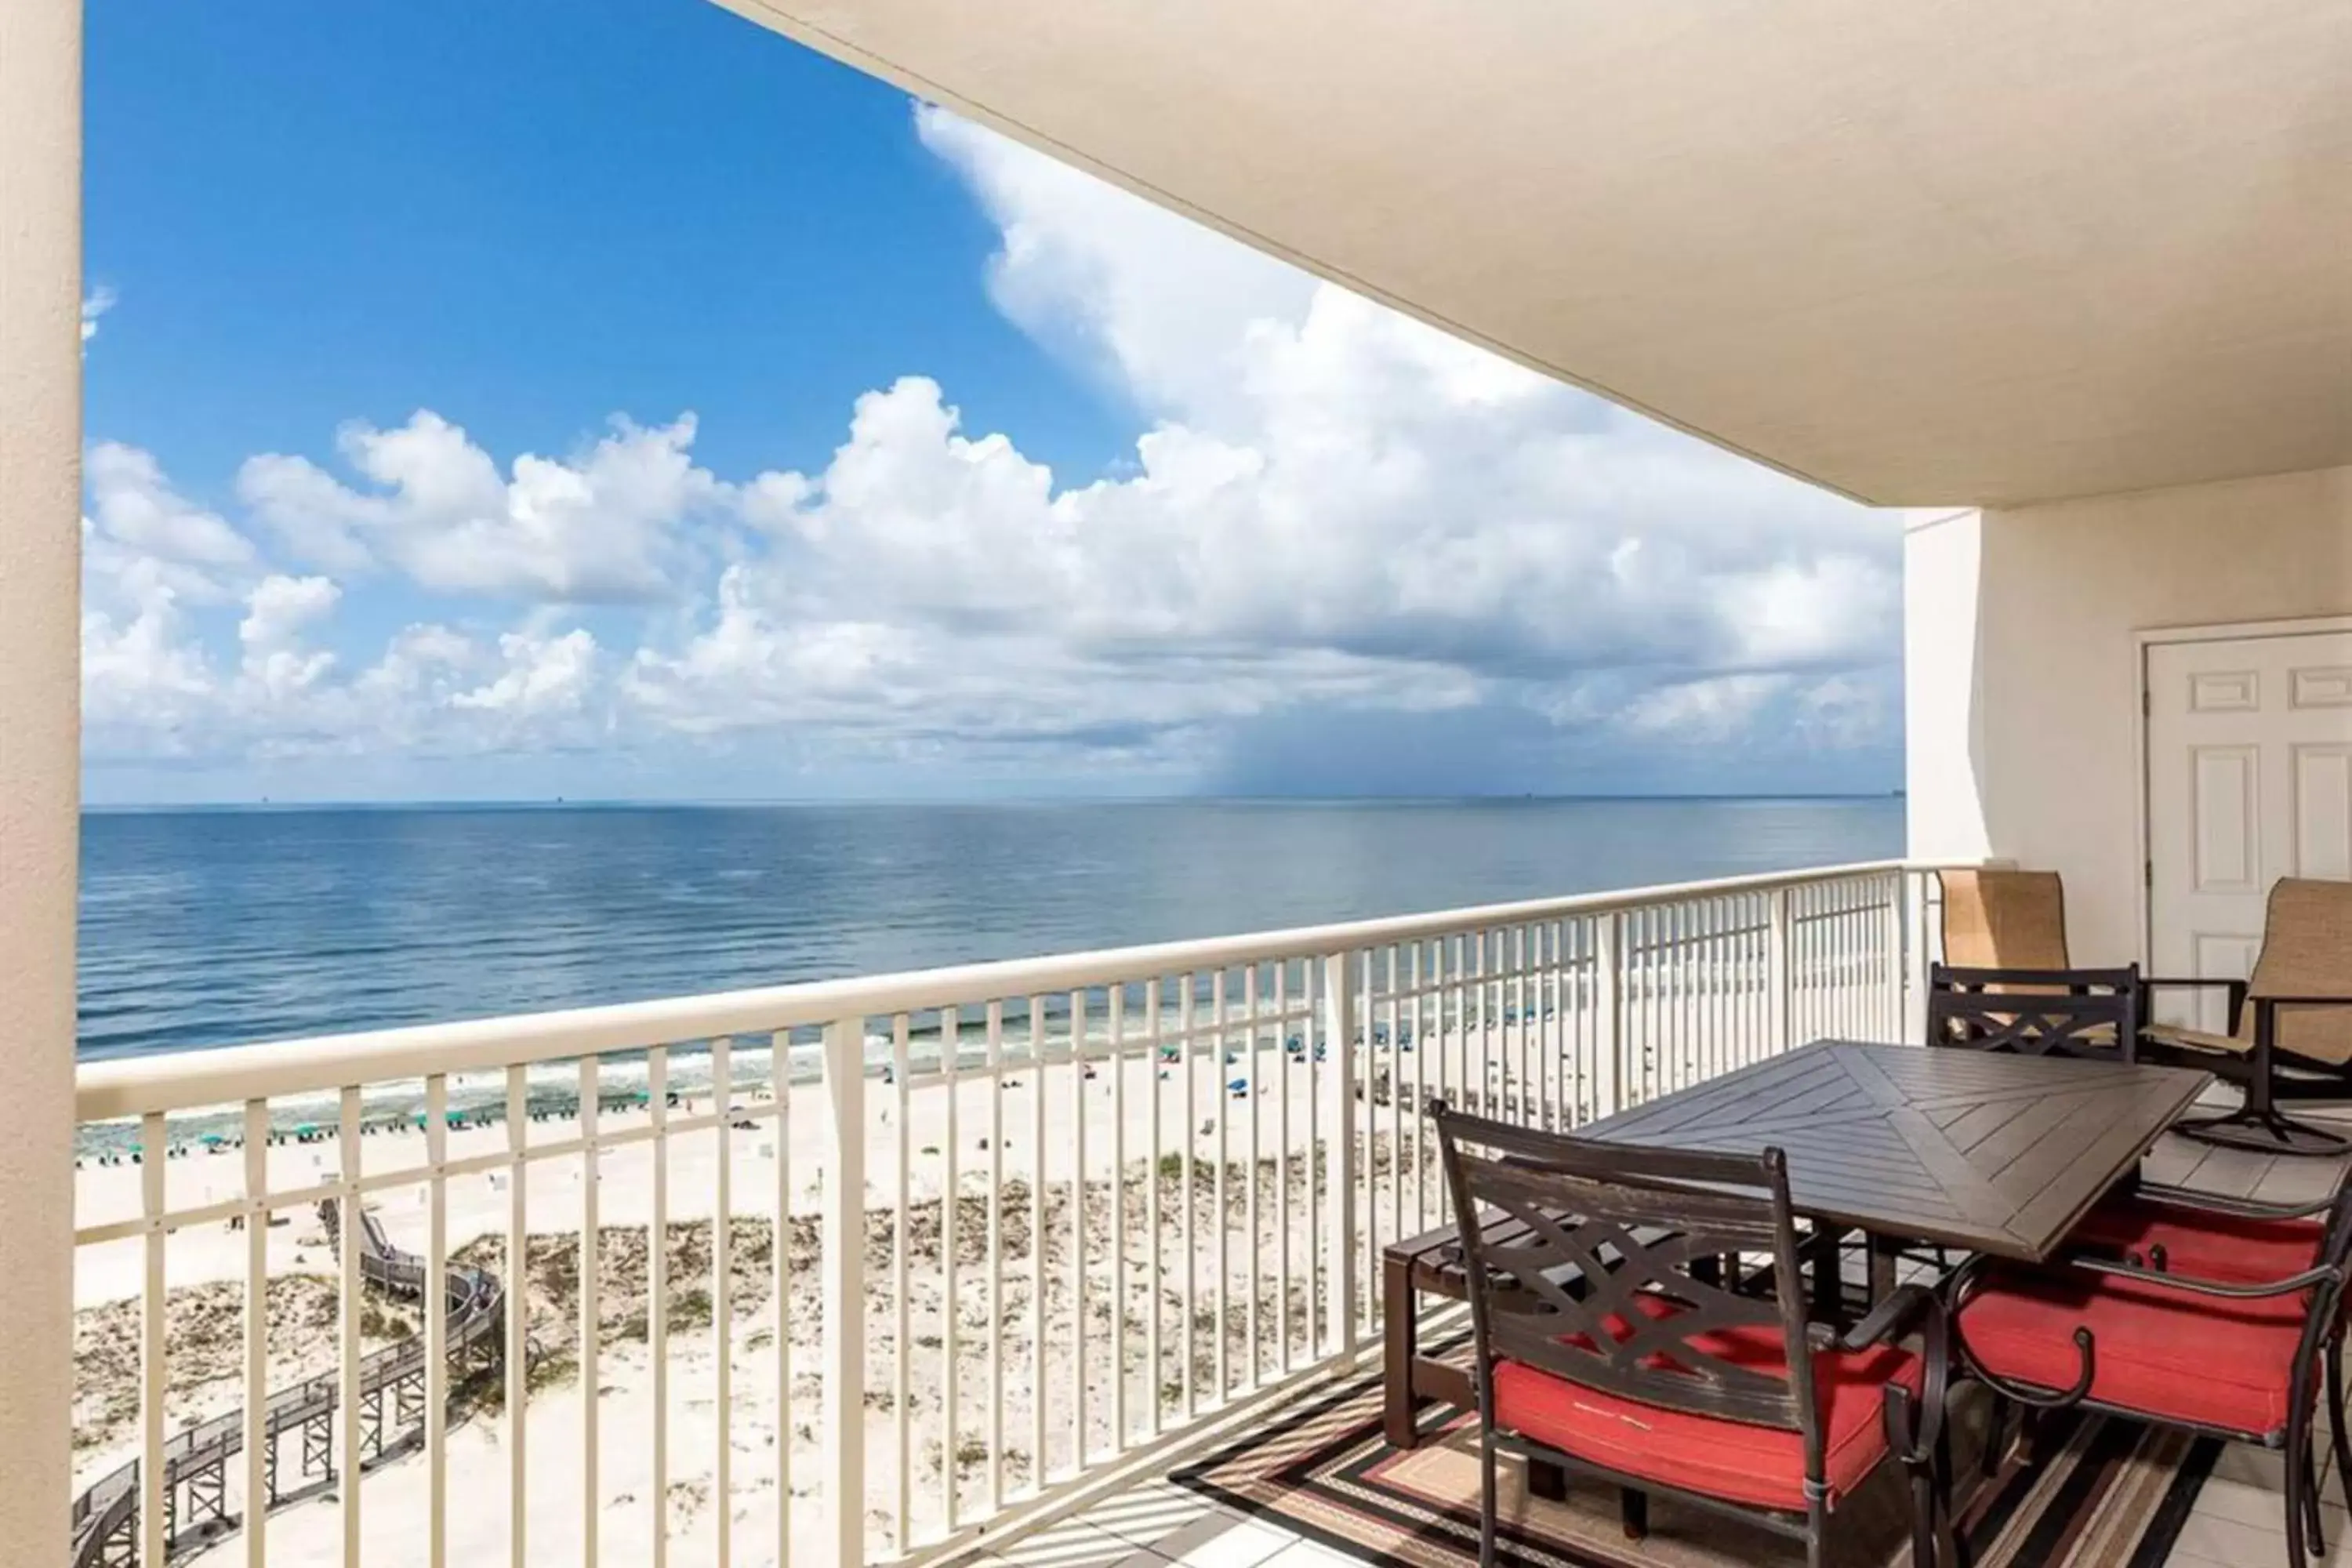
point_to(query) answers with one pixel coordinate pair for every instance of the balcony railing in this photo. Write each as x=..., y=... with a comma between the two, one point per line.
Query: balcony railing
x=938, y=1253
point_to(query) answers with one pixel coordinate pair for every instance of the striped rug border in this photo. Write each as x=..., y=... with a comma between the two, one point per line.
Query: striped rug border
x=1314, y=1467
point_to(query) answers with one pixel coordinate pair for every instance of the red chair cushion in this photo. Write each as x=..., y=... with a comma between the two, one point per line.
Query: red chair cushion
x=2161, y=1351
x=1756, y=1466
x=2227, y=1248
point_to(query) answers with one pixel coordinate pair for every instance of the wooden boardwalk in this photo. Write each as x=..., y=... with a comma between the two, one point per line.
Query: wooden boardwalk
x=392, y=1411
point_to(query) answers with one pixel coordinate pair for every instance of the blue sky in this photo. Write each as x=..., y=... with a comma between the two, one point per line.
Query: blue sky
x=616, y=399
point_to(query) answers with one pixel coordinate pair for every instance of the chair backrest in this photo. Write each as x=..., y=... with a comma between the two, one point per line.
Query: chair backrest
x=2306, y=951
x=1603, y=1270
x=2091, y=1012
x=2327, y=1302
x=2004, y=919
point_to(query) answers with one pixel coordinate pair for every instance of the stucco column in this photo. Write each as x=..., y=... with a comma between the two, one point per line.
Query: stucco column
x=1943, y=731
x=40, y=762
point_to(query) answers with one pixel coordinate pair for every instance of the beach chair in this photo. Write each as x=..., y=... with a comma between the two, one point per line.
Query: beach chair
x=2290, y=1024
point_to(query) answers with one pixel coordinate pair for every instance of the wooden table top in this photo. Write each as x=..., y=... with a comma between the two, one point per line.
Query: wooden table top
x=1980, y=1150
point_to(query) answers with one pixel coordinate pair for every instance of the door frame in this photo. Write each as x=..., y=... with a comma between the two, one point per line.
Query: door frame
x=2144, y=641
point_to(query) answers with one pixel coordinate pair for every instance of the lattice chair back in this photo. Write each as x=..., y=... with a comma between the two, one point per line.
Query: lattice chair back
x=2090, y=1013
x=1615, y=1275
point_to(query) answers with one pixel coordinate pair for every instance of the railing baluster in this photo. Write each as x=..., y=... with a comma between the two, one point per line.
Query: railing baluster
x=591, y=1171
x=1391, y=1058
x=350, y=1333
x=657, y=1298
x=722, y=1291
x=1555, y=1041
x=1339, y=1004
x=951, y=1303
x=1526, y=957
x=1311, y=1028
x=844, y=1221
x=1077, y=1233
x=780, y=1262
x=1892, y=920
x=1442, y=1041
x=1118, y=1000
x=1221, y=1049
x=996, y=1385
x=153, y=1375
x=256, y=1437
x=1151, y=1205
x=1609, y=1017
x=1252, y=1238
x=1038, y=1381
x=1418, y=1121
x=1282, y=1164
x=902, y=1343
x=1690, y=965
x=1190, y=1201
x=436, y=1322
x=1779, y=982
x=514, y=1304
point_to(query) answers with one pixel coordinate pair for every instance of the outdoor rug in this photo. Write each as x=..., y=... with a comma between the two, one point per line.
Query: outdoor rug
x=2107, y=1494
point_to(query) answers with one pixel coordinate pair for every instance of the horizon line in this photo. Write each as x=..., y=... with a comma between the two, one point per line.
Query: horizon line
x=716, y=803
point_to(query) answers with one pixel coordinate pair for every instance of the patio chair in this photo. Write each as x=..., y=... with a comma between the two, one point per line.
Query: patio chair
x=1652, y=1375
x=2091, y=1012
x=2190, y=1340
x=2205, y=1235
x=2004, y=919
x=2295, y=1040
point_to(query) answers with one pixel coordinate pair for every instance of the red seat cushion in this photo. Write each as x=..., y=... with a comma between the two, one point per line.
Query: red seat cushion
x=2162, y=1352
x=2228, y=1247
x=1757, y=1466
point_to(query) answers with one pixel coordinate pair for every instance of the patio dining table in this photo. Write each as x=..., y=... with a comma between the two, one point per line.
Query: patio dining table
x=1981, y=1150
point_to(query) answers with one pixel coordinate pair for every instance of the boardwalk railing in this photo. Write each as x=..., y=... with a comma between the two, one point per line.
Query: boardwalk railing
x=196, y=1457
x=885, y=1264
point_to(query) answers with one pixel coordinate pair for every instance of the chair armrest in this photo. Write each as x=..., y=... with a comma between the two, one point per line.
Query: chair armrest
x=1915, y=1423
x=1893, y=1318
x=2241, y=1208
x=2275, y=1003
x=2235, y=988
x=2225, y=1289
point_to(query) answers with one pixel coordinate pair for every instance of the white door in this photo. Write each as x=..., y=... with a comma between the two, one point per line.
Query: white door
x=2249, y=780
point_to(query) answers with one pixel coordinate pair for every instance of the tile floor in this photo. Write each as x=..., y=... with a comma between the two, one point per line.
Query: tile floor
x=2239, y=1521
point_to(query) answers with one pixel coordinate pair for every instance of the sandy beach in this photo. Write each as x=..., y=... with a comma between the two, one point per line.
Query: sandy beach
x=992, y=1137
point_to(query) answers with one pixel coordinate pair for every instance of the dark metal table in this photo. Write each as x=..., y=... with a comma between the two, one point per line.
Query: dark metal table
x=1977, y=1150
x=1981, y=1150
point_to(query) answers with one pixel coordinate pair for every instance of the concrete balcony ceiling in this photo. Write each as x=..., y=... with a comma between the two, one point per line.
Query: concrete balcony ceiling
x=1964, y=251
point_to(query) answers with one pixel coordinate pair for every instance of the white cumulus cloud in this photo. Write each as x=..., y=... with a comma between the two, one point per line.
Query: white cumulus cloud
x=1332, y=512
x=607, y=525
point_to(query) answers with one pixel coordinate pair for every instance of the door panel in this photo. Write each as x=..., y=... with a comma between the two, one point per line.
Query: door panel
x=2227, y=795
x=2323, y=811
x=2249, y=780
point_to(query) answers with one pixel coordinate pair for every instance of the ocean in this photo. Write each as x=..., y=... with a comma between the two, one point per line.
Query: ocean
x=221, y=927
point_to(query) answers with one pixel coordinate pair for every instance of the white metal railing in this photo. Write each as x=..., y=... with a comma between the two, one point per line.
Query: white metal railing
x=1001, y=1228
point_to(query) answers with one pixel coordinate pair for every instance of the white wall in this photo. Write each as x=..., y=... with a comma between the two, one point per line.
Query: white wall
x=40, y=702
x=2021, y=671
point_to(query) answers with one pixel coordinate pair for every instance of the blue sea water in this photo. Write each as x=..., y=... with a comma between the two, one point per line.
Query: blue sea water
x=212, y=928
